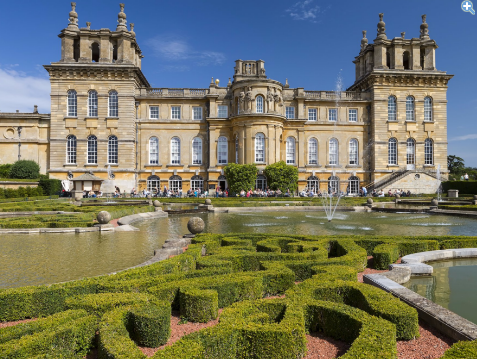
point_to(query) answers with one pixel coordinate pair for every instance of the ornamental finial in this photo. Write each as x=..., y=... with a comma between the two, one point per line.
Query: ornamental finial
x=73, y=18
x=121, y=19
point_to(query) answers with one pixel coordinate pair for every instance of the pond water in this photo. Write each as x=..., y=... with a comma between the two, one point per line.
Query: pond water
x=453, y=285
x=49, y=258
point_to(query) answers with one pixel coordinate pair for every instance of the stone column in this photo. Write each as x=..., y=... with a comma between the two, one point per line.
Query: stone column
x=429, y=58
x=379, y=57
x=85, y=49
x=416, y=57
x=398, y=65
x=105, y=50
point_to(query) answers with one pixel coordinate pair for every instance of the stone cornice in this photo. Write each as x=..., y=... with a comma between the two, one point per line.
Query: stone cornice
x=107, y=72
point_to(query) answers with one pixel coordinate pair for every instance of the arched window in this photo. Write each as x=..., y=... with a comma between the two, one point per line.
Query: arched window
x=175, y=151
x=92, y=150
x=333, y=185
x=113, y=150
x=411, y=151
x=259, y=104
x=392, y=151
x=290, y=149
x=312, y=151
x=113, y=104
x=260, y=148
x=92, y=104
x=428, y=152
x=197, y=151
x=353, y=185
x=95, y=52
x=72, y=103
x=392, y=108
x=427, y=109
x=261, y=182
x=175, y=182
x=313, y=184
x=153, y=151
x=333, y=151
x=236, y=149
x=71, y=149
x=353, y=152
x=197, y=182
x=406, y=60
x=409, y=108
x=222, y=150
x=153, y=184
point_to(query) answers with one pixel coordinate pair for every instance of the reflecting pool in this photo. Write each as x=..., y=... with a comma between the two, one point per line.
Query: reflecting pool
x=50, y=258
x=453, y=285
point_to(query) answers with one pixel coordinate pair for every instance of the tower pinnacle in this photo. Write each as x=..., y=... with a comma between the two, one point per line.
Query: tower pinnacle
x=381, y=28
x=73, y=24
x=364, y=41
x=121, y=19
x=424, y=29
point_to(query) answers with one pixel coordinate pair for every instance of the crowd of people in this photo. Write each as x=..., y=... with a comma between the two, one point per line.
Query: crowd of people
x=265, y=193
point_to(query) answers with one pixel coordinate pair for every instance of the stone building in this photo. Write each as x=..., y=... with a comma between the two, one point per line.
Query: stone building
x=388, y=128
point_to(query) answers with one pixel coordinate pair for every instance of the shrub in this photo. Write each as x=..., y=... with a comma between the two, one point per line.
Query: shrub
x=199, y=305
x=467, y=187
x=150, y=324
x=5, y=170
x=50, y=186
x=384, y=255
x=282, y=176
x=240, y=177
x=25, y=169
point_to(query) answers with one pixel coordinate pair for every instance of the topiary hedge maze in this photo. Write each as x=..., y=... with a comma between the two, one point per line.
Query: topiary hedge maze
x=318, y=276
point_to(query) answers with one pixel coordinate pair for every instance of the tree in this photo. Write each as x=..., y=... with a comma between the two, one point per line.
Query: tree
x=25, y=169
x=240, y=177
x=455, y=164
x=282, y=176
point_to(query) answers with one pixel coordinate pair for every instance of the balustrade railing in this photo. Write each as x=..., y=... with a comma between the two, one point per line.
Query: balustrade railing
x=333, y=95
x=167, y=92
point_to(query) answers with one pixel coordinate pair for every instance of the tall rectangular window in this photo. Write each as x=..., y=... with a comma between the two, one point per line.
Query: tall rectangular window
x=312, y=114
x=176, y=112
x=113, y=104
x=353, y=115
x=197, y=113
x=222, y=112
x=290, y=112
x=259, y=148
x=154, y=112
x=332, y=114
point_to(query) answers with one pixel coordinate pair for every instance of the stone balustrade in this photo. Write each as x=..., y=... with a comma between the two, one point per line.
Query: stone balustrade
x=176, y=92
x=333, y=95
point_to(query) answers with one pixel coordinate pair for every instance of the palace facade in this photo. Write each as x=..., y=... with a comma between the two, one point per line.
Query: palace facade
x=388, y=130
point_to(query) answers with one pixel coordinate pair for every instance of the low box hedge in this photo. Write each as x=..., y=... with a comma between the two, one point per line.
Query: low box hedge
x=150, y=324
x=385, y=254
x=198, y=305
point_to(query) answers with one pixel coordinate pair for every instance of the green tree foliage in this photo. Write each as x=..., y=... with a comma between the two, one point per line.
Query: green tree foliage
x=5, y=170
x=240, y=177
x=50, y=186
x=282, y=176
x=455, y=164
x=25, y=169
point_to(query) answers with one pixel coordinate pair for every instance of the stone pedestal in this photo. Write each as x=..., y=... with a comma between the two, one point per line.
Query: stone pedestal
x=104, y=227
x=77, y=195
x=453, y=193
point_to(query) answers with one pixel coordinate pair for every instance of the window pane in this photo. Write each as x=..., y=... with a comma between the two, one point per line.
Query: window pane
x=176, y=112
x=92, y=150
x=391, y=108
x=353, y=185
x=197, y=151
x=113, y=150
x=259, y=147
x=428, y=152
x=333, y=150
x=353, y=152
x=290, y=148
x=313, y=184
x=153, y=184
x=313, y=151
x=392, y=151
x=410, y=108
x=72, y=105
x=333, y=114
x=353, y=115
x=113, y=104
x=154, y=112
x=197, y=113
x=71, y=150
x=427, y=109
x=153, y=151
x=175, y=151
x=236, y=150
x=222, y=113
x=411, y=151
x=93, y=104
x=259, y=104
x=222, y=150
x=290, y=112
x=312, y=114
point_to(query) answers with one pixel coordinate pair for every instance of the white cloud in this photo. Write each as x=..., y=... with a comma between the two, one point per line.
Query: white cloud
x=174, y=49
x=305, y=10
x=472, y=136
x=18, y=91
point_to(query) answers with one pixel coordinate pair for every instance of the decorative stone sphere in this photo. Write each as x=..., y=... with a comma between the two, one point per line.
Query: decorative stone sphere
x=104, y=217
x=475, y=197
x=434, y=202
x=208, y=202
x=195, y=225
x=148, y=196
x=156, y=203
x=397, y=196
x=369, y=201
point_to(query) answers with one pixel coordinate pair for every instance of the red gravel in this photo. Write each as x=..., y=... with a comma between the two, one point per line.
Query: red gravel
x=322, y=347
x=114, y=222
x=11, y=324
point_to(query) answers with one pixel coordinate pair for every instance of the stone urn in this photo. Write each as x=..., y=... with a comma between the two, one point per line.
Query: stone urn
x=103, y=217
x=156, y=203
x=208, y=202
x=195, y=225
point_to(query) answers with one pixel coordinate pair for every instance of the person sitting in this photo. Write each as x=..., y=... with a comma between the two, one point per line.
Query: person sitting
x=390, y=193
x=381, y=193
x=100, y=194
x=408, y=193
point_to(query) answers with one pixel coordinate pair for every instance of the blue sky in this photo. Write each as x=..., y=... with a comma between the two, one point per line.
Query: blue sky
x=186, y=42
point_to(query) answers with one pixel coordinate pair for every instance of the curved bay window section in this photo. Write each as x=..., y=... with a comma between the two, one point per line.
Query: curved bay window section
x=353, y=185
x=333, y=185
x=92, y=151
x=333, y=152
x=197, y=183
x=71, y=150
x=113, y=150
x=392, y=113
x=353, y=152
x=290, y=150
x=312, y=151
x=113, y=104
x=92, y=104
x=175, y=151
x=392, y=152
x=428, y=152
x=261, y=182
x=72, y=104
x=411, y=153
x=153, y=184
x=222, y=150
x=175, y=182
x=153, y=151
x=428, y=109
x=259, y=104
x=197, y=151
x=259, y=148
x=313, y=184
x=410, y=109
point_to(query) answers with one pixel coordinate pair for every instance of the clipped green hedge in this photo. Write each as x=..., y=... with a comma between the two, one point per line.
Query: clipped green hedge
x=385, y=254
x=462, y=350
x=467, y=187
x=199, y=305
